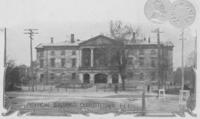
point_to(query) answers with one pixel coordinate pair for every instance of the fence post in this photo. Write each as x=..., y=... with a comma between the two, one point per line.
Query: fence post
x=143, y=104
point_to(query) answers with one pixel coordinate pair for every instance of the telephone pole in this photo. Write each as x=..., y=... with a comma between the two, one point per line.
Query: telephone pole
x=160, y=71
x=182, y=61
x=31, y=33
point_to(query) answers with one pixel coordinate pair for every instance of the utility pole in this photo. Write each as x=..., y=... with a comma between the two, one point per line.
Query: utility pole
x=195, y=51
x=182, y=61
x=31, y=33
x=160, y=72
x=5, y=45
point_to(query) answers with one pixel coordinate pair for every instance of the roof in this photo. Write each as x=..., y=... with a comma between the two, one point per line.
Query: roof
x=100, y=40
x=103, y=40
x=64, y=43
x=142, y=42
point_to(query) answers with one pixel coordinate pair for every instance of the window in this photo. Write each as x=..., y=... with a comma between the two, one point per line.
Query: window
x=153, y=52
x=63, y=62
x=52, y=75
x=73, y=52
x=130, y=74
x=73, y=75
x=62, y=52
x=153, y=76
x=130, y=61
x=41, y=54
x=52, y=62
x=153, y=62
x=52, y=53
x=41, y=63
x=73, y=62
x=41, y=77
x=141, y=76
x=141, y=52
x=62, y=75
x=141, y=61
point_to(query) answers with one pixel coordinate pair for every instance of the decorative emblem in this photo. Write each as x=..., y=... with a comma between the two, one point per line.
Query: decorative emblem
x=157, y=10
x=180, y=13
x=183, y=14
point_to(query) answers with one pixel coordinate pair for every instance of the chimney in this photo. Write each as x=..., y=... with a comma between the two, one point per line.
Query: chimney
x=72, y=38
x=149, y=39
x=133, y=37
x=51, y=39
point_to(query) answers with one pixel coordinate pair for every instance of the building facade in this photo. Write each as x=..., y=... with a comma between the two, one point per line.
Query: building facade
x=97, y=61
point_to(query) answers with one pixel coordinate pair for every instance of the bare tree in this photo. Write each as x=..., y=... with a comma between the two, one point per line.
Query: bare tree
x=123, y=32
x=191, y=59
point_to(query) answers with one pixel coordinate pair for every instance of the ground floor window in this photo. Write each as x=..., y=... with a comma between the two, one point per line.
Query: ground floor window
x=52, y=76
x=86, y=78
x=100, y=78
x=115, y=78
x=73, y=75
x=41, y=77
x=141, y=76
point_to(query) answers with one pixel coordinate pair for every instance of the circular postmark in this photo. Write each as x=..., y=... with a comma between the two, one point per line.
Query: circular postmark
x=157, y=10
x=183, y=14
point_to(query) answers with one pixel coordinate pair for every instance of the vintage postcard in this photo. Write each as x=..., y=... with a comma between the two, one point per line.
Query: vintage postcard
x=95, y=57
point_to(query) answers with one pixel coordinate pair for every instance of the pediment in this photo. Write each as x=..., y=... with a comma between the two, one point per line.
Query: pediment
x=100, y=40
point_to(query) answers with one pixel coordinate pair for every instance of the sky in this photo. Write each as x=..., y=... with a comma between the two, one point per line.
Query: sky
x=84, y=18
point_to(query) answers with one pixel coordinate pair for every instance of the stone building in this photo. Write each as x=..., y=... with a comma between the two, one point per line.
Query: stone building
x=96, y=61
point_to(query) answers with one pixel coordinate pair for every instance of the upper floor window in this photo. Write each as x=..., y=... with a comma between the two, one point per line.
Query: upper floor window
x=141, y=52
x=141, y=76
x=73, y=62
x=63, y=62
x=52, y=76
x=141, y=61
x=73, y=52
x=153, y=52
x=130, y=61
x=41, y=77
x=130, y=74
x=52, y=62
x=153, y=76
x=41, y=63
x=153, y=64
x=52, y=53
x=73, y=75
x=62, y=52
x=41, y=54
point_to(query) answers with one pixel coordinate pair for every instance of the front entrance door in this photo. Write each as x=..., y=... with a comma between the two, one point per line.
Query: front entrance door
x=100, y=78
x=86, y=78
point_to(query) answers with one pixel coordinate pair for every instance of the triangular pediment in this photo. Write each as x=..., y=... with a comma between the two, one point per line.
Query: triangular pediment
x=100, y=40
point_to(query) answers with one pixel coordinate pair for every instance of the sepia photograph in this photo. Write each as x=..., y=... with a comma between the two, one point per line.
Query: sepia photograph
x=96, y=57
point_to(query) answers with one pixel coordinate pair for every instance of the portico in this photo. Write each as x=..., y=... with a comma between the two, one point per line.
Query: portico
x=100, y=78
x=99, y=61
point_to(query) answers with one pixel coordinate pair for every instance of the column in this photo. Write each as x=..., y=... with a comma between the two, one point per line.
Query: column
x=109, y=79
x=92, y=57
x=92, y=78
x=81, y=77
x=80, y=57
x=119, y=78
